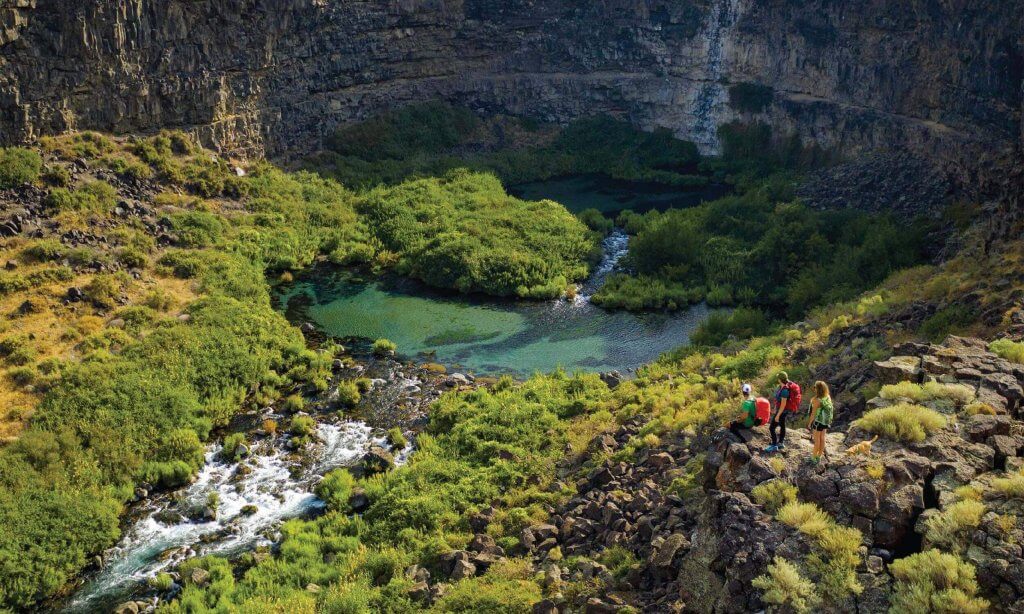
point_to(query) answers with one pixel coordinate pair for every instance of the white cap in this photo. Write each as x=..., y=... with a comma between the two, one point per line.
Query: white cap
x=747, y=388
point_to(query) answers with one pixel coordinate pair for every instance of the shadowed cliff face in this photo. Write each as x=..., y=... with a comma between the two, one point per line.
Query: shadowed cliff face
x=942, y=77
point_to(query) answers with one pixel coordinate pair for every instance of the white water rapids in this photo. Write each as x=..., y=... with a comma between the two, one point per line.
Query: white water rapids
x=150, y=545
x=614, y=247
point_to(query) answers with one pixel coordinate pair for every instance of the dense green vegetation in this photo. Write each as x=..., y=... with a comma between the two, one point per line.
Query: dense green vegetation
x=759, y=248
x=18, y=165
x=431, y=139
x=462, y=231
x=480, y=447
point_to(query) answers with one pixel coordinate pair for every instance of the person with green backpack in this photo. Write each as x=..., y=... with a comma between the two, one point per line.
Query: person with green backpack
x=822, y=413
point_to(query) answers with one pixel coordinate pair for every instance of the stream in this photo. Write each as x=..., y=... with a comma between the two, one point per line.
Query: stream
x=273, y=483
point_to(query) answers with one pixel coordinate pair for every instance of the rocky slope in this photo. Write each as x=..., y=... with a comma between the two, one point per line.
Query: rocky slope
x=255, y=76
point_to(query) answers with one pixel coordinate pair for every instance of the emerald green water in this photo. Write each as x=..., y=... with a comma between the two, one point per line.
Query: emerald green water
x=484, y=336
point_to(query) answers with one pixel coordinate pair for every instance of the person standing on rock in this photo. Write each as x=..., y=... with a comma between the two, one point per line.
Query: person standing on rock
x=822, y=412
x=787, y=399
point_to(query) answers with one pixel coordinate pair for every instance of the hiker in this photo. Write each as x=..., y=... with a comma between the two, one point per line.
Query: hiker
x=755, y=412
x=787, y=401
x=822, y=412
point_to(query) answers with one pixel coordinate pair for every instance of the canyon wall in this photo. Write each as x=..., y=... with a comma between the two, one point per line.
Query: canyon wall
x=273, y=77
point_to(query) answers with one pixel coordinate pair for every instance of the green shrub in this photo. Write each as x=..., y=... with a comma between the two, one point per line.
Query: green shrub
x=774, y=494
x=384, y=347
x=302, y=426
x=294, y=403
x=902, y=422
x=784, y=586
x=104, y=290
x=619, y=561
x=233, y=446
x=336, y=488
x=57, y=176
x=396, y=438
x=1010, y=486
x=348, y=394
x=162, y=582
x=1010, y=350
x=464, y=232
x=947, y=321
x=45, y=250
x=934, y=581
x=596, y=221
x=953, y=526
x=960, y=394
x=741, y=323
x=17, y=166
x=93, y=197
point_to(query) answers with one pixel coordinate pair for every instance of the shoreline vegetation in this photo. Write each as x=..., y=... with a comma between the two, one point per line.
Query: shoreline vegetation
x=134, y=348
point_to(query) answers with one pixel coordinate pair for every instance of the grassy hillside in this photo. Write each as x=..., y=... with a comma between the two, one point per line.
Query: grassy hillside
x=140, y=317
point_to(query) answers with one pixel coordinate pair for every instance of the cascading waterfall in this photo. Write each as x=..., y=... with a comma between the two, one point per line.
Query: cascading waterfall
x=162, y=538
x=614, y=247
x=721, y=16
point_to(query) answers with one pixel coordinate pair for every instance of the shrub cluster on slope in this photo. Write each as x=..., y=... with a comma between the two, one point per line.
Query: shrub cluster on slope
x=758, y=248
x=464, y=232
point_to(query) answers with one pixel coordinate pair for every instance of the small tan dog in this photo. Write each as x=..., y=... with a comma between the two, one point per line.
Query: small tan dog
x=863, y=447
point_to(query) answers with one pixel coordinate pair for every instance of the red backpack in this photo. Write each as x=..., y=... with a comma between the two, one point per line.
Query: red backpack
x=795, y=398
x=763, y=411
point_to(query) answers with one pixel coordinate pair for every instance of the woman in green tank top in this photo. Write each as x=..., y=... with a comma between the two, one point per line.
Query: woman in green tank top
x=822, y=412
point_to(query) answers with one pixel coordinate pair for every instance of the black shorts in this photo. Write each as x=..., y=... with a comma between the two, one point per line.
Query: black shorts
x=817, y=426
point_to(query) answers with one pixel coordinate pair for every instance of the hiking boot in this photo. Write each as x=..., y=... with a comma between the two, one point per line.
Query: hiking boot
x=780, y=446
x=771, y=448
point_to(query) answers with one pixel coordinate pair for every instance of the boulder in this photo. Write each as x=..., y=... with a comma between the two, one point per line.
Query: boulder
x=899, y=369
x=980, y=427
x=358, y=501
x=663, y=557
x=377, y=460
x=199, y=577
x=463, y=569
x=420, y=591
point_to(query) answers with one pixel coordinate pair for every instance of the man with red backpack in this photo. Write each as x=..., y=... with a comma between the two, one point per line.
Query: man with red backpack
x=787, y=401
x=755, y=412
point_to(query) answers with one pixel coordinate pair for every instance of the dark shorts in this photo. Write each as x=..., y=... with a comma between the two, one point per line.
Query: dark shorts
x=817, y=426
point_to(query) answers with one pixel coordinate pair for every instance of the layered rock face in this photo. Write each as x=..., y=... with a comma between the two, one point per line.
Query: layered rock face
x=941, y=77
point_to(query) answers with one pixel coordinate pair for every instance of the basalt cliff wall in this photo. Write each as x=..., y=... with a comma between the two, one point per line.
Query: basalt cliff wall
x=272, y=77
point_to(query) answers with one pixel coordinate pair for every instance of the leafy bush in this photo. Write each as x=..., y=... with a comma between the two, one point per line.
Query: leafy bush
x=18, y=165
x=1010, y=350
x=348, y=394
x=784, y=586
x=774, y=494
x=741, y=323
x=93, y=197
x=902, y=422
x=233, y=444
x=302, y=426
x=383, y=347
x=464, y=232
x=396, y=438
x=1010, y=486
x=960, y=394
x=953, y=526
x=946, y=321
x=934, y=581
x=336, y=488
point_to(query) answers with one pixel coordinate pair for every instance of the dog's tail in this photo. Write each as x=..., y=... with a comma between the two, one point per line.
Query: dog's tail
x=874, y=438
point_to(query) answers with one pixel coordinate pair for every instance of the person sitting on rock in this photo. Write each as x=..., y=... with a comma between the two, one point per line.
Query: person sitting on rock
x=822, y=412
x=748, y=419
x=786, y=401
